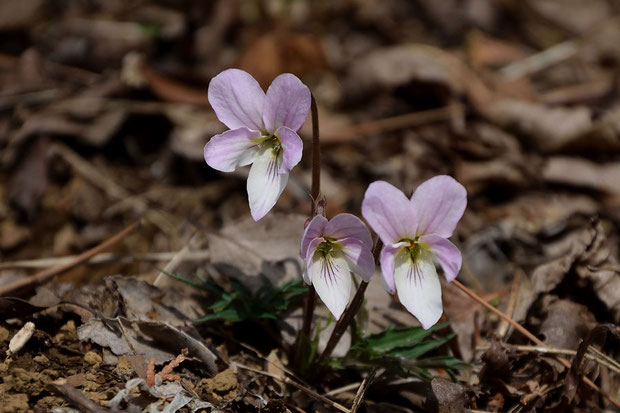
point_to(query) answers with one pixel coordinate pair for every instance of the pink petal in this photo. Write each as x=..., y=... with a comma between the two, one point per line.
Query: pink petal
x=307, y=274
x=292, y=148
x=439, y=204
x=447, y=254
x=388, y=255
x=332, y=281
x=237, y=99
x=233, y=148
x=265, y=184
x=359, y=257
x=389, y=212
x=313, y=230
x=418, y=287
x=348, y=226
x=286, y=104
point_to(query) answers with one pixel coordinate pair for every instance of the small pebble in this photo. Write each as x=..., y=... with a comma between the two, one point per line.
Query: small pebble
x=92, y=358
x=21, y=338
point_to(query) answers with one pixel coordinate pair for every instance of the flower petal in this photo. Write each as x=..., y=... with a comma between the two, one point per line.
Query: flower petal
x=265, y=184
x=307, y=274
x=439, y=203
x=292, y=148
x=388, y=255
x=237, y=99
x=418, y=287
x=286, y=104
x=359, y=257
x=313, y=230
x=348, y=226
x=332, y=281
x=233, y=148
x=447, y=254
x=389, y=212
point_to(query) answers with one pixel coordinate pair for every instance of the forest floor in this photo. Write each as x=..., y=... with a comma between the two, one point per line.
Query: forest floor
x=139, y=281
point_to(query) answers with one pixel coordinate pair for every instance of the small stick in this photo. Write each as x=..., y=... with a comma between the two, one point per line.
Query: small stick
x=390, y=124
x=41, y=277
x=343, y=389
x=530, y=336
x=541, y=60
x=162, y=279
x=107, y=257
x=564, y=351
x=512, y=302
x=359, y=396
x=77, y=398
x=286, y=380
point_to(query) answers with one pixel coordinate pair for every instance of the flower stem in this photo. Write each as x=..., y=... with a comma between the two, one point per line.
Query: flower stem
x=316, y=156
x=318, y=207
x=349, y=313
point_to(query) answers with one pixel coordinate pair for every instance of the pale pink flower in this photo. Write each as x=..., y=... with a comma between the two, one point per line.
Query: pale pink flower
x=263, y=132
x=332, y=250
x=415, y=231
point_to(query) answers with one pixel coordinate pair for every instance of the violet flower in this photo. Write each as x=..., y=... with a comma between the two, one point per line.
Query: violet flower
x=262, y=132
x=414, y=231
x=332, y=249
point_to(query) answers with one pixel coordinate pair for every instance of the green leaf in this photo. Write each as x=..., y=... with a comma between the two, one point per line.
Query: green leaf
x=422, y=348
x=391, y=339
x=185, y=279
x=229, y=314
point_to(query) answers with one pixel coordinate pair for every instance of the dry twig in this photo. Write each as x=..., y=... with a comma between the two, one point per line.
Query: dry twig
x=43, y=276
x=531, y=337
x=306, y=390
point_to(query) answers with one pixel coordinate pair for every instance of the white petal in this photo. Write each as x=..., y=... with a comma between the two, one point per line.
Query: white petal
x=332, y=281
x=265, y=183
x=418, y=287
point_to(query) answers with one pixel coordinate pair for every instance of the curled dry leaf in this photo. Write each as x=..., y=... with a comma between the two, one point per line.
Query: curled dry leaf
x=548, y=128
x=582, y=173
x=590, y=258
x=565, y=323
x=248, y=248
x=400, y=65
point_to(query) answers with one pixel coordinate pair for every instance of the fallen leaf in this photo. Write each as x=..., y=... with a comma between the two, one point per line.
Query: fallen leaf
x=547, y=128
x=270, y=247
x=582, y=173
x=446, y=397
x=565, y=323
x=28, y=183
x=400, y=65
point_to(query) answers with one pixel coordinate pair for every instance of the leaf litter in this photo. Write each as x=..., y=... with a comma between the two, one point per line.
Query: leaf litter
x=517, y=101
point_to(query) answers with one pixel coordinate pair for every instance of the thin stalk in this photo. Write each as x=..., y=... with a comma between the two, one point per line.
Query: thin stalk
x=349, y=313
x=316, y=156
x=530, y=336
x=309, y=301
x=344, y=321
